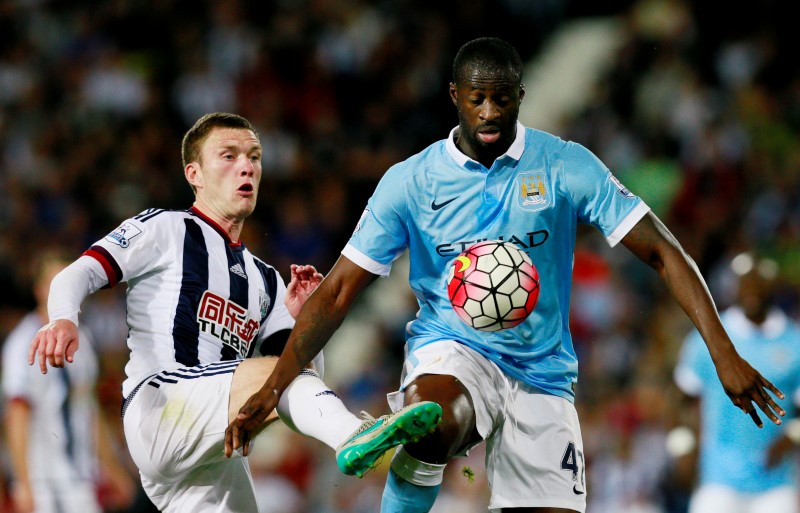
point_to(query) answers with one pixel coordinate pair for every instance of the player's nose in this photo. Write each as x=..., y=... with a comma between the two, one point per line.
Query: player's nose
x=489, y=110
x=248, y=166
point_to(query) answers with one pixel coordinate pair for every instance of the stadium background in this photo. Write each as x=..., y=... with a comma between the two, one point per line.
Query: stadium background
x=698, y=115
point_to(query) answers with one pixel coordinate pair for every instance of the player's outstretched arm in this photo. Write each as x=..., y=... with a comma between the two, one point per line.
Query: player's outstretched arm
x=319, y=318
x=653, y=243
x=56, y=342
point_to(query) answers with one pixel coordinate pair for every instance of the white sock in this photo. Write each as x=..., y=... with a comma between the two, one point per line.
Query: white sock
x=309, y=407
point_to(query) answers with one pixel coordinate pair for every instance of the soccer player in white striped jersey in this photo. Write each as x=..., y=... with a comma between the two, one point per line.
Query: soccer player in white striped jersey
x=512, y=388
x=55, y=431
x=200, y=305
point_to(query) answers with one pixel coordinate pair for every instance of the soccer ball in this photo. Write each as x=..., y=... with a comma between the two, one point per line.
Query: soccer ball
x=493, y=285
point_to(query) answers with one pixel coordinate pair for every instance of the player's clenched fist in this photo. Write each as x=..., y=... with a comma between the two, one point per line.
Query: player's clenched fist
x=55, y=342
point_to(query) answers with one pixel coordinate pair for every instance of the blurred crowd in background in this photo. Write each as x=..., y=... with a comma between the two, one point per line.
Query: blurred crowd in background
x=698, y=116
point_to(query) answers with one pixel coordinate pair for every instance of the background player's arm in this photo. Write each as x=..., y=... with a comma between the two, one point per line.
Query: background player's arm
x=653, y=243
x=18, y=420
x=115, y=476
x=319, y=318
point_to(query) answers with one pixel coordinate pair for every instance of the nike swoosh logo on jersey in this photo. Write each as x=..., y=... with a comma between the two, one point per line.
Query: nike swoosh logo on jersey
x=436, y=206
x=576, y=491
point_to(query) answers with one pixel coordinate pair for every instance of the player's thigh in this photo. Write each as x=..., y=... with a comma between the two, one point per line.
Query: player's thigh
x=717, y=499
x=250, y=376
x=247, y=380
x=461, y=369
x=176, y=420
x=534, y=457
x=224, y=486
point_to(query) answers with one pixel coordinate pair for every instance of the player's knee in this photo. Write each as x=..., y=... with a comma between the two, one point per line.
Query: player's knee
x=458, y=417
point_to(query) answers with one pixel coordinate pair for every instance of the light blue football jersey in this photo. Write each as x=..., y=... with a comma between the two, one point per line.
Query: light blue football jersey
x=733, y=450
x=439, y=202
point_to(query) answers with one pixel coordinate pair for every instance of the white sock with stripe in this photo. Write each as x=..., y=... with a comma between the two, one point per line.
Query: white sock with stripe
x=311, y=408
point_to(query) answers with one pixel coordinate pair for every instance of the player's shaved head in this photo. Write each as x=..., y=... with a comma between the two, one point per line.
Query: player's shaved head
x=489, y=55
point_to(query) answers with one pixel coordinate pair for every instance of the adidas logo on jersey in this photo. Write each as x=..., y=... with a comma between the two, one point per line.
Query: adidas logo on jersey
x=238, y=271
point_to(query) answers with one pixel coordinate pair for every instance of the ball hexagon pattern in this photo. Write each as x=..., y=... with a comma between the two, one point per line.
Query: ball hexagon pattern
x=493, y=285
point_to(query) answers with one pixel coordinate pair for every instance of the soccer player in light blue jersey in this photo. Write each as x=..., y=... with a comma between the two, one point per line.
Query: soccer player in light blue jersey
x=743, y=471
x=513, y=389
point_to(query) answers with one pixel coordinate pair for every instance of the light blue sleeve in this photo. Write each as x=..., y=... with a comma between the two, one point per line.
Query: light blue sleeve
x=382, y=232
x=598, y=197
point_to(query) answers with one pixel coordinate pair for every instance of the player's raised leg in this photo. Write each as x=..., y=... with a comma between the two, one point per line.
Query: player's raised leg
x=311, y=408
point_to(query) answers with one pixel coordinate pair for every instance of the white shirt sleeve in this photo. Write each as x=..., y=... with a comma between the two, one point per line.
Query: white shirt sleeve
x=72, y=285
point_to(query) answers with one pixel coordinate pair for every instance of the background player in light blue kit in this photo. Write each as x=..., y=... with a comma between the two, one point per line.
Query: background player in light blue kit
x=742, y=471
x=515, y=388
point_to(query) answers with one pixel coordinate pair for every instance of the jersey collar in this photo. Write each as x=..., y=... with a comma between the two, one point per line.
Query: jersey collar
x=213, y=224
x=774, y=325
x=514, y=151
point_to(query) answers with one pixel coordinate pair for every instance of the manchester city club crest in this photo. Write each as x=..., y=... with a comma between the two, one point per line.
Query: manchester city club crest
x=533, y=191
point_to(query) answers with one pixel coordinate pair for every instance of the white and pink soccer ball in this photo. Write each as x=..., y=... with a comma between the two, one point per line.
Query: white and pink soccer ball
x=493, y=285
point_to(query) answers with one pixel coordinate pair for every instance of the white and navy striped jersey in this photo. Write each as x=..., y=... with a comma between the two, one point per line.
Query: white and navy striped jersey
x=62, y=405
x=194, y=296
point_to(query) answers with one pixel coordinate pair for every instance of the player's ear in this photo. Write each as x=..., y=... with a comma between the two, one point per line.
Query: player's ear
x=193, y=174
x=454, y=93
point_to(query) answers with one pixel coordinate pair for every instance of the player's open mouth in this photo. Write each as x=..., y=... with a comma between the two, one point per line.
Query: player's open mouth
x=489, y=136
x=246, y=188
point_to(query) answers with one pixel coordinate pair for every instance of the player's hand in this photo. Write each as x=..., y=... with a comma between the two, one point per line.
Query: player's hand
x=250, y=420
x=745, y=386
x=305, y=279
x=56, y=342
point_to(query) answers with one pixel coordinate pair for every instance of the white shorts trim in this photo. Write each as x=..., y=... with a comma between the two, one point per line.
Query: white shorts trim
x=534, y=449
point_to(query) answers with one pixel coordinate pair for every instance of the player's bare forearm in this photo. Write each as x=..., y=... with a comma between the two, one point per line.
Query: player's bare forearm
x=320, y=317
x=652, y=242
x=315, y=325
